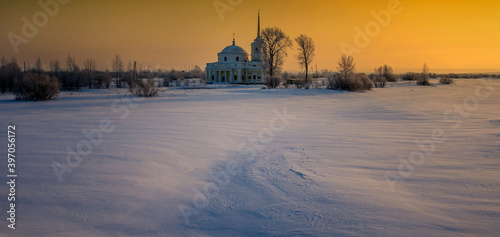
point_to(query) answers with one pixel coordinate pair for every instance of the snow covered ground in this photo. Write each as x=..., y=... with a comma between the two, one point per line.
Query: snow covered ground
x=302, y=162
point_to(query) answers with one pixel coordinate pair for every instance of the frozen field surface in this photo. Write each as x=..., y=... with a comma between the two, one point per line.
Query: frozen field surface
x=398, y=161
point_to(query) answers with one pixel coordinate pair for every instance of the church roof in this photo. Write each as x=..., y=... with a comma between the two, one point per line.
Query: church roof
x=233, y=49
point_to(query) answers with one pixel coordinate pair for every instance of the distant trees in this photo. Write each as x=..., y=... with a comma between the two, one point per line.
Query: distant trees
x=3, y=87
x=424, y=77
x=199, y=73
x=353, y=82
x=446, y=80
x=37, y=87
x=71, y=64
x=421, y=78
x=131, y=75
x=387, y=72
x=285, y=76
x=382, y=75
x=102, y=80
x=175, y=75
x=38, y=66
x=118, y=69
x=307, y=51
x=55, y=67
x=276, y=43
x=272, y=82
x=465, y=75
x=71, y=79
x=90, y=68
x=10, y=72
x=346, y=65
x=346, y=78
x=379, y=81
x=145, y=87
x=410, y=76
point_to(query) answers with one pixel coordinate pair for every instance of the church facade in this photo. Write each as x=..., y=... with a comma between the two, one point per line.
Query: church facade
x=235, y=67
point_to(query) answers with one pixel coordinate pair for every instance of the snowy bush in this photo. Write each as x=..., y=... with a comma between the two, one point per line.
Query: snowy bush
x=424, y=77
x=351, y=82
x=272, y=82
x=379, y=81
x=423, y=80
x=10, y=72
x=446, y=80
x=145, y=88
x=386, y=72
x=102, y=80
x=37, y=87
x=410, y=76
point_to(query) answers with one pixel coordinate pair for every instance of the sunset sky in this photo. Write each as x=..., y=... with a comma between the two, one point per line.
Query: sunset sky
x=450, y=36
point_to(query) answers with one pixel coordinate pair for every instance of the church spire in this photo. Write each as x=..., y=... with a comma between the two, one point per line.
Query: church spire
x=258, y=27
x=234, y=41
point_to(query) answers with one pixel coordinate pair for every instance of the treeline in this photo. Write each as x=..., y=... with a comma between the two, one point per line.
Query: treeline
x=465, y=75
x=346, y=77
x=275, y=46
x=70, y=76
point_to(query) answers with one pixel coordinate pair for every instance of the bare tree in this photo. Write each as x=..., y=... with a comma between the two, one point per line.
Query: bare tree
x=347, y=79
x=197, y=72
x=307, y=51
x=276, y=42
x=424, y=77
x=387, y=72
x=37, y=87
x=145, y=88
x=72, y=80
x=118, y=69
x=346, y=65
x=89, y=68
x=425, y=70
x=175, y=75
x=378, y=80
x=55, y=67
x=103, y=79
x=129, y=75
x=10, y=74
x=446, y=80
x=71, y=63
x=38, y=66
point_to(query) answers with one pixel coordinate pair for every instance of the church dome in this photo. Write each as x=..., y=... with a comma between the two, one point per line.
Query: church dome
x=233, y=49
x=233, y=53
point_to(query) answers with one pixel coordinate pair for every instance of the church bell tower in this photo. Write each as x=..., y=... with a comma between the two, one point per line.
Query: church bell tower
x=257, y=44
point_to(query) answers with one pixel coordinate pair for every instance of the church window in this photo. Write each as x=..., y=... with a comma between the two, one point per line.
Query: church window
x=254, y=77
x=238, y=59
x=225, y=58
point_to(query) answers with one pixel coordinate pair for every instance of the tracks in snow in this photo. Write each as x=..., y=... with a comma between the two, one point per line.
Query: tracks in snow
x=278, y=193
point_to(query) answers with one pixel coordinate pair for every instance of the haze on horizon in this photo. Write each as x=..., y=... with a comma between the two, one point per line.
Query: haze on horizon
x=449, y=36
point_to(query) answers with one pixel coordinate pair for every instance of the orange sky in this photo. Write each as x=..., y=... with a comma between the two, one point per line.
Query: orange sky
x=459, y=35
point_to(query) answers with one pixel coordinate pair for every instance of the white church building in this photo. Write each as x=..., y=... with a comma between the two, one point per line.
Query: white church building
x=234, y=66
